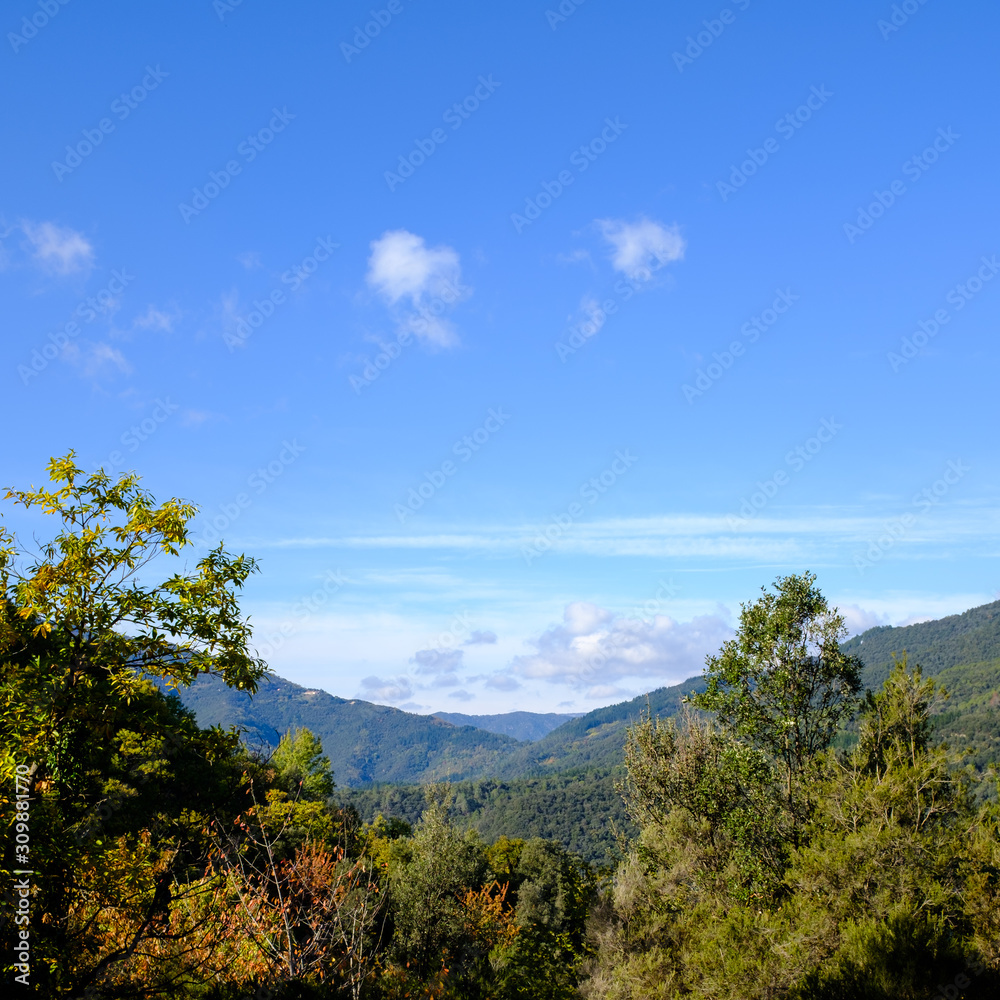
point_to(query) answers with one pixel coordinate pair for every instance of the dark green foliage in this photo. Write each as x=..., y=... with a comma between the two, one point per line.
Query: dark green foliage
x=583, y=812
x=887, y=886
x=783, y=684
x=594, y=741
x=971, y=637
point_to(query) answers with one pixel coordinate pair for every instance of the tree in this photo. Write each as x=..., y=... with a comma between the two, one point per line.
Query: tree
x=121, y=777
x=308, y=912
x=302, y=768
x=783, y=684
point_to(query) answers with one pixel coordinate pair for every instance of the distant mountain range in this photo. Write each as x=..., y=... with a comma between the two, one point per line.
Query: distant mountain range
x=370, y=743
x=520, y=725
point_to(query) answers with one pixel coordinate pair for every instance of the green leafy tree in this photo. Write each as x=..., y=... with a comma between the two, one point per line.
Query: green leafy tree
x=301, y=767
x=783, y=684
x=121, y=777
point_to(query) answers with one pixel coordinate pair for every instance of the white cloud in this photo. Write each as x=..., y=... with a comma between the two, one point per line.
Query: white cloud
x=421, y=283
x=641, y=246
x=859, y=619
x=96, y=359
x=437, y=661
x=57, y=249
x=501, y=681
x=462, y=695
x=593, y=648
x=390, y=689
x=439, y=664
x=480, y=638
x=154, y=319
x=250, y=259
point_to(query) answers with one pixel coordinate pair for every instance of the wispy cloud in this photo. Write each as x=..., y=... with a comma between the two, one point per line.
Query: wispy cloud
x=155, y=319
x=800, y=536
x=58, y=249
x=418, y=282
x=638, y=246
x=479, y=638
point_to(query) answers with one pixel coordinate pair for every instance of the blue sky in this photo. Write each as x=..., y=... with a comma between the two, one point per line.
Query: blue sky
x=519, y=342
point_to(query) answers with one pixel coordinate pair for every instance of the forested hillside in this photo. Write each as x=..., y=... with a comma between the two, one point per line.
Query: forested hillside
x=520, y=725
x=366, y=742
x=971, y=637
x=582, y=811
